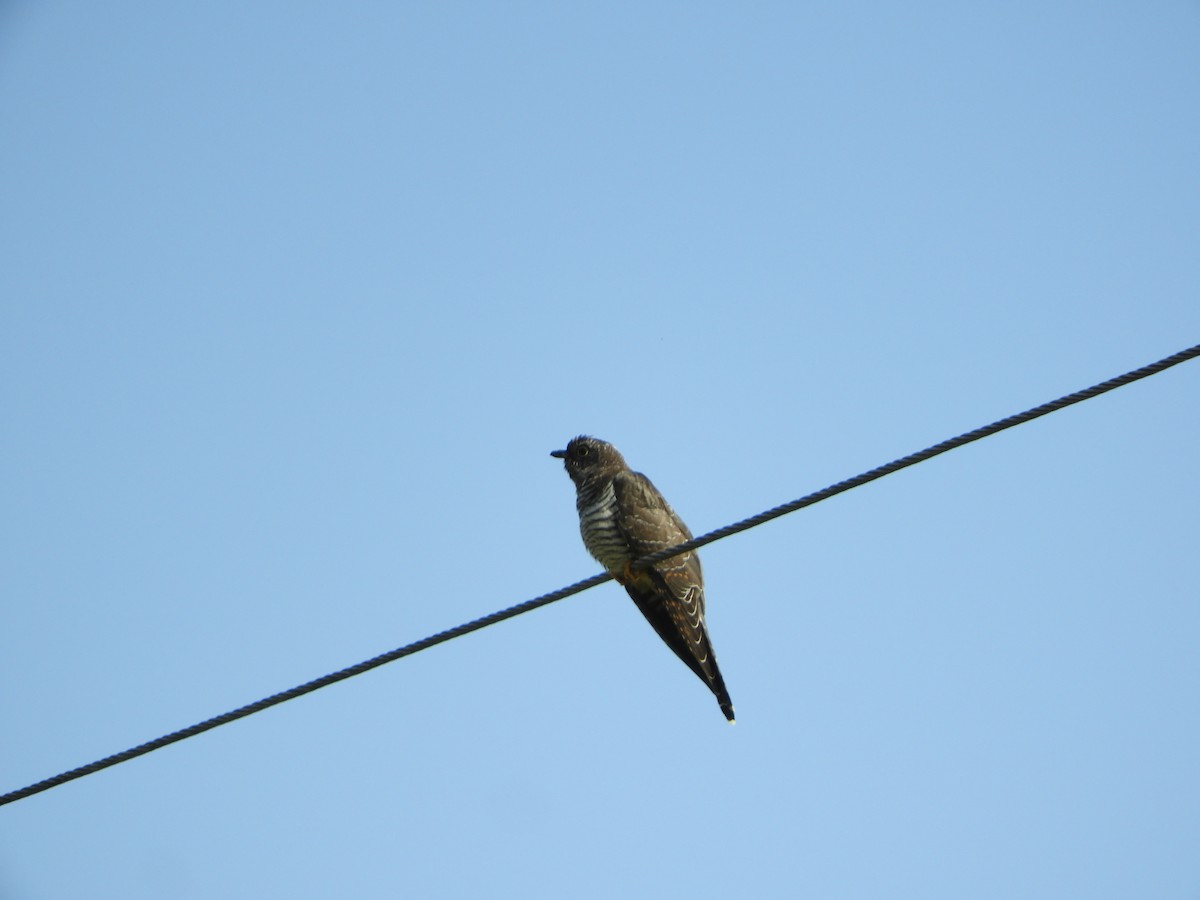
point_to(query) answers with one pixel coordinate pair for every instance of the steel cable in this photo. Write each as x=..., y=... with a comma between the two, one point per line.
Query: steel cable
x=579, y=586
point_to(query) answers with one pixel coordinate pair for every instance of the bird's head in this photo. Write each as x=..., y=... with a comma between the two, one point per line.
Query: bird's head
x=587, y=458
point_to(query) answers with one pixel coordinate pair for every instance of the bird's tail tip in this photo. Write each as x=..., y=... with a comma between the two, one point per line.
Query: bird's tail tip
x=727, y=708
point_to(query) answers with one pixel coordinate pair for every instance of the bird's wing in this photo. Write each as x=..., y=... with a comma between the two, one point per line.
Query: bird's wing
x=648, y=524
x=670, y=594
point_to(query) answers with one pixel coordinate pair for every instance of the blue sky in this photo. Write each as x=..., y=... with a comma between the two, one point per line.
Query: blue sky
x=297, y=298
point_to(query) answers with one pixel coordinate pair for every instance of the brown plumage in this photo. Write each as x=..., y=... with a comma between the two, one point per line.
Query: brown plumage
x=622, y=518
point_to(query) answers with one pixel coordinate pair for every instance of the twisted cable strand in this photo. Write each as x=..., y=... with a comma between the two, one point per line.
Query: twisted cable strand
x=579, y=586
x=922, y=455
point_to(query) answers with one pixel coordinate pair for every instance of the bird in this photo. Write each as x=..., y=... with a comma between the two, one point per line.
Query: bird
x=622, y=518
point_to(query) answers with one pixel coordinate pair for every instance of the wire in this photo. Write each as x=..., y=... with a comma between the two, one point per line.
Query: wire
x=307, y=688
x=921, y=455
x=579, y=586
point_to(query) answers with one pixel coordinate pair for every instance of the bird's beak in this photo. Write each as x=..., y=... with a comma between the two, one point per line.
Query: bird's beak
x=559, y=454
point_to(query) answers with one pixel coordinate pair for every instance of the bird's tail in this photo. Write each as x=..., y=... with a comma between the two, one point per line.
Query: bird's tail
x=693, y=647
x=718, y=688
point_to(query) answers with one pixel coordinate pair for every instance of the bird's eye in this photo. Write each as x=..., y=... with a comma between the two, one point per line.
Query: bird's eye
x=584, y=451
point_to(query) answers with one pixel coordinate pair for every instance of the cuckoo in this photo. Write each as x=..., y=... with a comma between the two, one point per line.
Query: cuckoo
x=622, y=518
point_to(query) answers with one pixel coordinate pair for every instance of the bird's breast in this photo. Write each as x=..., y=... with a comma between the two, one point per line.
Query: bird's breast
x=598, y=527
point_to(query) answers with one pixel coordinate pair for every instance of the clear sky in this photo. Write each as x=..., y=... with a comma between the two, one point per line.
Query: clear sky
x=296, y=298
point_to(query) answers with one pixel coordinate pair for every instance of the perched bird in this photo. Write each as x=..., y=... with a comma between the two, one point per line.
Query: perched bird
x=623, y=518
